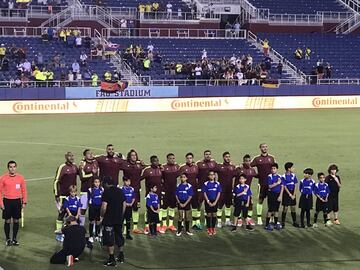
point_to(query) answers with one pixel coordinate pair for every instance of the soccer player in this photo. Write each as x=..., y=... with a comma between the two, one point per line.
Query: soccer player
x=184, y=193
x=321, y=191
x=306, y=201
x=263, y=163
x=95, y=199
x=89, y=170
x=242, y=195
x=250, y=173
x=170, y=172
x=226, y=176
x=13, y=197
x=289, y=195
x=65, y=177
x=110, y=165
x=153, y=209
x=191, y=170
x=212, y=191
x=204, y=165
x=129, y=193
x=132, y=169
x=334, y=182
x=153, y=177
x=72, y=203
x=275, y=194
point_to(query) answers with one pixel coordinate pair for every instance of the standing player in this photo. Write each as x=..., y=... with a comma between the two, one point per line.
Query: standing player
x=334, y=182
x=321, y=191
x=95, y=200
x=110, y=165
x=132, y=169
x=170, y=172
x=129, y=193
x=153, y=177
x=249, y=173
x=204, y=166
x=212, y=191
x=289, y=195
x=65, y=177
x=226, y=176
x=306, y=201
x=72, y=204
x=89, y=170
x=191, y=170
x=13, y=197
x=263, y=163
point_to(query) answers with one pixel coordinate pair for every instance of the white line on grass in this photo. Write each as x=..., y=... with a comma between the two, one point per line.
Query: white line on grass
x=39, y=179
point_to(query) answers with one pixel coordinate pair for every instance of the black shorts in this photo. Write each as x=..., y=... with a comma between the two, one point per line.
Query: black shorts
x=152, y=217
x=306, y=202
x=113, y=235
x=286, y=200
x=12, y=209
x=322, y=206
x=128, y=213
x=263, y=191
x=94, y=212
x=273, y=203
x=186, y=208
x=334, y=203
x=240, y=207
x=211, y=209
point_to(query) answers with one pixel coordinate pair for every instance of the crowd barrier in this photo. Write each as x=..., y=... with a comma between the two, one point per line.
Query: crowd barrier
x=146, y=92
x=177, y=104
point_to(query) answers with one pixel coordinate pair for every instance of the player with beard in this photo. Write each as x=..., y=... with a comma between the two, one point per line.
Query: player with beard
x=192, y=171
x=170, y=173
x=110, y=165
x=132, y=169
x=263, y=163
x=89, y=170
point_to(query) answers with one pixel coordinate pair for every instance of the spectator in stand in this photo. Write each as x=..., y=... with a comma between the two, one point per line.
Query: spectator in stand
x=328, y=71
x=56, y=60
x=150, y=47
x=141, y=9
x=87, y=75
x=75, y=67
x=307, y=53
x=94, y=80
x=39, y=60
x=2, y=51
x=198, y=72
x=146, y=63
x=70, y=76
x=70, y=40
x=279, y=69
x=267, y=63
x=62, y=35
x=179, y=13
x=83, y=59
x=123, y=23
x=237, y=29
x=4, y=64
x=107, y=76
x=78, y=41
x=204, y=55
x=26, y=67
x=155, y=6
x=11, y=7
x=298, y=54
x=50, y=33
x=24, y=80
x=169, y=7
x=320, y=69
x=78, y=76
x=148, y=8
x=228, y=29
x=266, y=47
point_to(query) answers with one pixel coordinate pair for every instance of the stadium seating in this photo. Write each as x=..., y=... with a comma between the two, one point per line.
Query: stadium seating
x=341, y=51
x=34, y=45
x=185, y=50
x=299, y=6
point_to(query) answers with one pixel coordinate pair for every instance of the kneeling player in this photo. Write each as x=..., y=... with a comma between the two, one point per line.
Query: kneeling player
x=184, y=194
x=129, y=193
x=212, y=191
x=95, y=200
x=275, y=194
x=153, y=209
x=322, y=191
x=289, y=196
x=242, y=197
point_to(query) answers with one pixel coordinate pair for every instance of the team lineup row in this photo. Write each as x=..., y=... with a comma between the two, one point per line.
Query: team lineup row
x=217, y=186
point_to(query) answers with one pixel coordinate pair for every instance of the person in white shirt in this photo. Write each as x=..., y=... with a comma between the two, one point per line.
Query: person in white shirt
x=240, y=78
x=179, y=13
x=204, y=54
x=70, y=76
x=237, y=29
x=78, y=41
x=78, y=76
x=75, y=67
x=123, y=23
x=198, y=72
x=233, y=60
x=26, y=66
x=169, y=10
x=83, y=58
x=150, y=47
x=249, y=61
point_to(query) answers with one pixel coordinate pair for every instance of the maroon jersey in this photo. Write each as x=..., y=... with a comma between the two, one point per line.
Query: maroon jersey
x=263, y=165
x=204, y=167
x=192, y=172
x=152, y=176
x=65, y=177
x=249, y=172
x=132, y=171
x=89, y=170
x=170, y=174
x=110, y=166
x=226, y=173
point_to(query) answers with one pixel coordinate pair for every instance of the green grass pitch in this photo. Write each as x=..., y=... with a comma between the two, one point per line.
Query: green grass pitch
x=307, y=137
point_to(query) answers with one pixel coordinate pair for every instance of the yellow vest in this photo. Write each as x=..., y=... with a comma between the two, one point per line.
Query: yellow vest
x=146, y=63
x=94, y=80
x=40, y=76
x=178, y=68
x=148, y=8
x=2, y=50
x=50, y=75
x=107, y=76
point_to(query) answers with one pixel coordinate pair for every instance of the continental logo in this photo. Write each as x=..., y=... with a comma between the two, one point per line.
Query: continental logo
x=24, y=107
x=319, y=102
x=198, y=104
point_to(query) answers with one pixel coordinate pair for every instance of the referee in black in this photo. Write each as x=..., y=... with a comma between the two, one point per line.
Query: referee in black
x=112, y=217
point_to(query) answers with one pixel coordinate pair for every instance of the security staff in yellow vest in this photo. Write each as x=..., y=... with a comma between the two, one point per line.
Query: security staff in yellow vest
x=94, y=80
x=49, y=77
x=298, y=53
x=2, y=51
x=146, y=63
x=307, y=53
x=62, y=35
x=107, y=76
x=178, y=68
x=40, y=77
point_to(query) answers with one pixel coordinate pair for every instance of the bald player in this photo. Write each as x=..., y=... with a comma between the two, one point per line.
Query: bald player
x=192, y=172
x=132, y=169
x=226, y=177
x=204, y=165
x=170, y=173
x=263, y=163
x=110, y=165
x=66, y=176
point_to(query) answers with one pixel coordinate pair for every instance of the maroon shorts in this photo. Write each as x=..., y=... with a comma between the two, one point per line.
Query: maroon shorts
x=168, y=200
x=263, y=191
x=136, y=204
x=200, y=197
x=195, y=201
x=225, y=199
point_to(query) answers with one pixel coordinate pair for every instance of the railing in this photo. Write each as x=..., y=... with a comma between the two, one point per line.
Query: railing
x=173, y=33
x=116, y=12
x=20, y=31
x=353, y=4
x=333, y=16
x=177, y=16
x=80, y=83
x=13, y=15
x=264, y=15
x=349, y=25
x=339, y=81
x=39, y=11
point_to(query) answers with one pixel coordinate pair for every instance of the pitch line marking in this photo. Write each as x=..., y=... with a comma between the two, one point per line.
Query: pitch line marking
x=39, y=179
